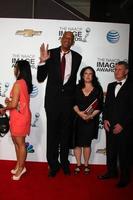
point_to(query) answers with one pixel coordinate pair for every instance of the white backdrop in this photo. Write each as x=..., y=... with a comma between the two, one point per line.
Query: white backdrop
x=100, y=44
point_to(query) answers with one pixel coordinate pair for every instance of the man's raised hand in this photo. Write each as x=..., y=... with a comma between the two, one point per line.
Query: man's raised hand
x=44, y=53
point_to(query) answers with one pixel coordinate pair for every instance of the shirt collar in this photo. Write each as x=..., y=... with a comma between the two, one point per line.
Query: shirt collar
x=123, y=81
x=62, y=52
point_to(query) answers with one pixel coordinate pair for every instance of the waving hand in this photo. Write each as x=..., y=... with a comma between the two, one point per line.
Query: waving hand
x=44, y=53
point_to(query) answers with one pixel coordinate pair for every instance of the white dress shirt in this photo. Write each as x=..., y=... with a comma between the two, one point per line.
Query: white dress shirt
x=68, y=65
x=118, y=86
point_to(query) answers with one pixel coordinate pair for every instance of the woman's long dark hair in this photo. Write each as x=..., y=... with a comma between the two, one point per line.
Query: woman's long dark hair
x=25, y=73
x=95, y=81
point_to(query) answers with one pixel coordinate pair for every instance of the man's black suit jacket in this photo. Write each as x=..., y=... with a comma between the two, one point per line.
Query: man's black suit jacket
x=55, y=90
x=119, y=109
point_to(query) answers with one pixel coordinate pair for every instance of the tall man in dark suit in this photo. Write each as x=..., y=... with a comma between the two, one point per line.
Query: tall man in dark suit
x=118, y=118
x=59, y=99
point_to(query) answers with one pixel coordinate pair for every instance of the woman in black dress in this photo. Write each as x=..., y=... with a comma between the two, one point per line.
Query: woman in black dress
x=88, y=92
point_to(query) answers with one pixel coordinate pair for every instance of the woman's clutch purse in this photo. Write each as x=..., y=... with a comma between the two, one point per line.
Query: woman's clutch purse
x=93, y=106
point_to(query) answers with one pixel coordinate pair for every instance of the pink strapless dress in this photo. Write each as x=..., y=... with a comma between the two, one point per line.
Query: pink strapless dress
x=20, y=118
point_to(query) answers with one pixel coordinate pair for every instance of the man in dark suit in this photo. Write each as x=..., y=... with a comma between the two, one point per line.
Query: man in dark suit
x=59, y=99
x=118, y=118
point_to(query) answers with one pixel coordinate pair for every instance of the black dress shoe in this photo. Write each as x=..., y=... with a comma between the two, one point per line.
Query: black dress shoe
x=67, y=171
x=52, y=173
x=122, y=184
x=107, y=176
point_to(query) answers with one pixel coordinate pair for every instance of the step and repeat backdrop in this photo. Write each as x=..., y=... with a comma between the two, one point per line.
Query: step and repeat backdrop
x=100, y=44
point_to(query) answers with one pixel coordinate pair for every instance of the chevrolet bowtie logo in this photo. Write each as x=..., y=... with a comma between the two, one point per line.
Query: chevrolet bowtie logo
x=28, y=32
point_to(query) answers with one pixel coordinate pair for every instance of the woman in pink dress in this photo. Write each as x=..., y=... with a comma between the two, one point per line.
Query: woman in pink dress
x=20, y=115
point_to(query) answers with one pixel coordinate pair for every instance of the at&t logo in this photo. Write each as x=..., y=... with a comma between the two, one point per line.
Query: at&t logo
x=113, y=36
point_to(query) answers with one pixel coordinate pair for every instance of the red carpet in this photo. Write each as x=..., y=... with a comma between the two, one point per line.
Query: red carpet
x=35, y=185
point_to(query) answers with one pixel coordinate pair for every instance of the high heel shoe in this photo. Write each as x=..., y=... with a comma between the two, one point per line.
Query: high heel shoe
x=16, y=178
x=86, y=170
x=77, y=169
x=13, y=171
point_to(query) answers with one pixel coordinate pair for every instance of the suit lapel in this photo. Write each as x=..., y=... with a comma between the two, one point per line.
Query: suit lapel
x=73, y=63
x=114, y=85
x=122, y=89
x=57, y=62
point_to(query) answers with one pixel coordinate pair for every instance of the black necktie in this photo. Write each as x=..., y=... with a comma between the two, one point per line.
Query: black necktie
x=63, y=64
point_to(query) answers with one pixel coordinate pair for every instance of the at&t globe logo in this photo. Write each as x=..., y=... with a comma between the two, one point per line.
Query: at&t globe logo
x=113, y=36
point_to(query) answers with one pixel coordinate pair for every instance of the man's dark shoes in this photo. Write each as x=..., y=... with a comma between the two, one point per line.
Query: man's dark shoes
x=122, y=183
x=67, y=171
x=52, y=173
x=107, y=176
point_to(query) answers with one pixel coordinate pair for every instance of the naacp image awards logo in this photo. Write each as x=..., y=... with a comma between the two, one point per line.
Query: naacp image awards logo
x=80, y=34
